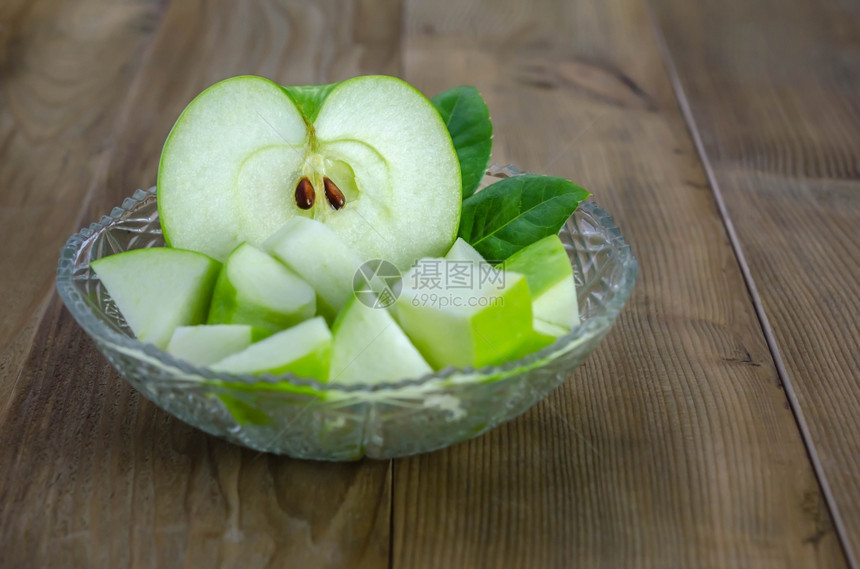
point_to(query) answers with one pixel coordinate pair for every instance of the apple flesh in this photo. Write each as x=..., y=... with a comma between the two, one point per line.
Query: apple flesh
x=303, y=350
x=320, y=257
x=158, y=289
x=369, y=347
x=206, y=344
x=547, y=268
x=544, y=334
x=256, y=289
x=462, y=251
x=369, y=157
x=483, y=319
x=544, y=327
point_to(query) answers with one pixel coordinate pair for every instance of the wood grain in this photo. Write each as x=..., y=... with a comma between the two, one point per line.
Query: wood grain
x=772, y=88
x=674, y=445
x=102, y=478
x=62, y=81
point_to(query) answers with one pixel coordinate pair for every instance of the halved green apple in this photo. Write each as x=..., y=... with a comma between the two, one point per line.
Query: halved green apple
x=159, y=289
x=256, y=289
x=369, y=157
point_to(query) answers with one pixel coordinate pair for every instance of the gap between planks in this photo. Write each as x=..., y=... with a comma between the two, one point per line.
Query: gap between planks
x=752, y=289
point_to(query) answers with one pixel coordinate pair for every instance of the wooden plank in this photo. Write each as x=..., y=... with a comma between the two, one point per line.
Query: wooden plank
x=99, y=477
x=674, y=445
x=772, y=89
x=104, y=478
x=62, y=82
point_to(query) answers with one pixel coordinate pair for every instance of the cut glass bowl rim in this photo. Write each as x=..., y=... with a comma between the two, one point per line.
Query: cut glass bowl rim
x=101, y=332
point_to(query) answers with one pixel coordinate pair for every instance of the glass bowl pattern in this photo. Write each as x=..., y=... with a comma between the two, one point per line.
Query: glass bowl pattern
x=304, y=418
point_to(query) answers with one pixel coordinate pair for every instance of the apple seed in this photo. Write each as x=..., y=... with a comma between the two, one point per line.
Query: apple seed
x=305, y=194
x=333, y=194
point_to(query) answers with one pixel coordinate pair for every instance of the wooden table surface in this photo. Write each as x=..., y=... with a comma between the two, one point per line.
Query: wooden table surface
x=717, y=426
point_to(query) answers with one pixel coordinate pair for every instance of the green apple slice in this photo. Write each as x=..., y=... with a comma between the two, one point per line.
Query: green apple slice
x=547, y=328
x=369, y=347
x=462, y=251
x=255, y=289
x=533, y=342
x=320, y=257
x=206, y=344
x=233, y=166
x=303, y=350
x=159, y=289
x=480, y=319
x=547, y=268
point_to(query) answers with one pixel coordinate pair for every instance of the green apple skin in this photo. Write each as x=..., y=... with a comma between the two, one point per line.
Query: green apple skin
x=206, y=344
x=159, y=289
x=547, y=268
x=303, y=350
x=533, y=343
x=256, y=289
x=230, y=167
x=320, y=257
x=462, y=251
x=369, y=347
x=473, y=326
x=244, y=413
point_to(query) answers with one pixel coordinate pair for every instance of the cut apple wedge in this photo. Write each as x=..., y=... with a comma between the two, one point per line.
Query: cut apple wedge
x=256, y=289
x=369, y=157
x=303, y=350
x=547, y=268
x=369, y=347
x=462, y=251
x=483, y=319
x=534, y=342
x=205, y=344
x=159, y=289
x=320, y=257
x=547, y=329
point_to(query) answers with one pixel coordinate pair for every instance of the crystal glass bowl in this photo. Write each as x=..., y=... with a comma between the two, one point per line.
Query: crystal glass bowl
x=307, y=419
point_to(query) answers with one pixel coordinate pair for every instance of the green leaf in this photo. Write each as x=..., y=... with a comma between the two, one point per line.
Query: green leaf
x=513, y=213
x=309, y=98
x=468, y=120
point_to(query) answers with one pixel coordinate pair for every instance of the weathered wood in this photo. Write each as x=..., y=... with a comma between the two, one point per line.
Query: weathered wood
x=101, y=476
x=674, y=445
x=62, y=82
x=773, y=89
